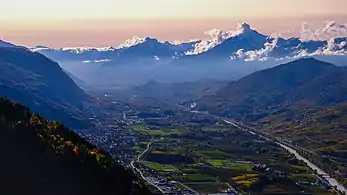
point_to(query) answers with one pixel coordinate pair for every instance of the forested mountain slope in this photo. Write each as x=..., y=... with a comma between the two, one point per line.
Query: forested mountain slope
x=45, y=158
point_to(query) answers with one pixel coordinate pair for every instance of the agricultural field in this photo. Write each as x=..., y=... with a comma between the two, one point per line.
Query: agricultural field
x=246, y=180
x=212, y=153
x=164, y=132
x=227, y=164
x=211, y=159
x=154, y=131
x=214, y=129
x=197, y=177
x=304, y=177
x=161, y=167
x=208, y=187
x=138, y=127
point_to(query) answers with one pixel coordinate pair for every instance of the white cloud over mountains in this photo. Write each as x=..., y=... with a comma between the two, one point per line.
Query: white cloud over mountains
x=332, y=48
x=329, y=32
x=96, y=61
x=309, y=32
x=330, y=29
x=260, y=55
x=251, y=47
x=131, y=42
x=217, y=36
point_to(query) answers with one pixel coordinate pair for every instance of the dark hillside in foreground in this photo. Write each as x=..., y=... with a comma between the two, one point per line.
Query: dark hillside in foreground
x=44, y=158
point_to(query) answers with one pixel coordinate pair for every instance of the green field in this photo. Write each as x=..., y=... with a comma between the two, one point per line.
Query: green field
x=304, y=177
x=161, y=167
x=344, y=182
x=212, y=158
x=300, y=168
x=164, y=132
x=212, y=188
x=146, y=129
x=139, y=127
x=198, y=177
x=189, y=169
x=212, y=153
x=214, y=128
x=227, y=164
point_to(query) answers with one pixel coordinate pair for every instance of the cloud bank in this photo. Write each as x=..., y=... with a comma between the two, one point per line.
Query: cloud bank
x=131, y=42
x=330, y=29
x=323, y=39
x=331, y=33
x=217, y=36
x=331, y=48
x=261, y=55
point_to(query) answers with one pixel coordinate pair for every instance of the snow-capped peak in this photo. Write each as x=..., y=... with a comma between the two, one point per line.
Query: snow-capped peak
x=177, y=42
x=86, y=49
x=242, y=28
x=218, y=36
x=39, y=48
x=243, y=42
x=76, y=50
x=132, y=42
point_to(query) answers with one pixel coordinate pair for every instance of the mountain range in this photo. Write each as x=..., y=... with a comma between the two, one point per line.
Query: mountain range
x=155, y=93
x=133, y=48
x=246, y=44
x=227, y=56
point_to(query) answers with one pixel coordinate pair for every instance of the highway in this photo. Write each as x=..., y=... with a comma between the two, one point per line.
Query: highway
x=284, y=144
x=148, y=179
x=331, y=181
x=140, y=172
x=293, y=150
x=194, y=192
x=145, y=151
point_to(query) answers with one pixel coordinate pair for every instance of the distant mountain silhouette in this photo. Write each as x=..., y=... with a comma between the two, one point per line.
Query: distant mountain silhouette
x=305, y=81
x=6, y=44
x=226, y=55
x=154, y=92
x=146, y=48
x=246, y=39
x=33, y=79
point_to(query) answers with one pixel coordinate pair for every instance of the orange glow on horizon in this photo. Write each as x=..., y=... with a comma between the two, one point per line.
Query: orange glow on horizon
x=62, y=23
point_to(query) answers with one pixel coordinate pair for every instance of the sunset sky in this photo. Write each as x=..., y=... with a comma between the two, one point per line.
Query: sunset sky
x=60, y=23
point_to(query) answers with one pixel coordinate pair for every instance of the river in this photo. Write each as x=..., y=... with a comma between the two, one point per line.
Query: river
x=332, y=181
